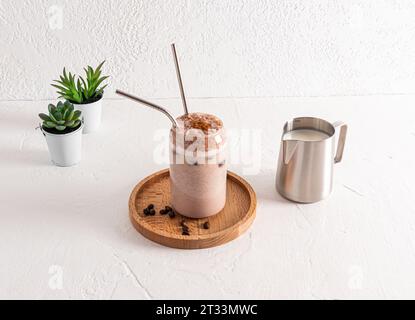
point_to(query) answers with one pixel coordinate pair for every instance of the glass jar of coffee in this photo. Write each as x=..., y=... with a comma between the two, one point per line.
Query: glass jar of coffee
x=198, y=165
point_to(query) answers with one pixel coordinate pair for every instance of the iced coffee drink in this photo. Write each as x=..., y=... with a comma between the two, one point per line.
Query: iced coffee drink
x=198, y=165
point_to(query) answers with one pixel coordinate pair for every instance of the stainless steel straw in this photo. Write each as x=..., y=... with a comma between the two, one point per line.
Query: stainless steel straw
x=179, y=78
x=149, y=104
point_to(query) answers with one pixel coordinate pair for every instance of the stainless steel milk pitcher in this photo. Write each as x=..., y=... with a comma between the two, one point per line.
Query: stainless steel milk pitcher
x=307, y=156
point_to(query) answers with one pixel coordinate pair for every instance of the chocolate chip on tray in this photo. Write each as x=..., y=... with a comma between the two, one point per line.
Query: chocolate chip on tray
x=185, y=228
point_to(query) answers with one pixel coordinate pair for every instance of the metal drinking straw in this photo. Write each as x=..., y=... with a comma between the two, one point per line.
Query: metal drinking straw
x=149, y=104
x=179, y=78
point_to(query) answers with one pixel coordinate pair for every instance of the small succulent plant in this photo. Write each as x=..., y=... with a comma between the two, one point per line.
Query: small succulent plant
x=79, y=90
x=61, y=117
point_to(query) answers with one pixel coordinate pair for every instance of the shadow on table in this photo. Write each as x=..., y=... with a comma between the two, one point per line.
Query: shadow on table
x=14, y=157
x=14, y=120
x=264, y=186
x=21, y=126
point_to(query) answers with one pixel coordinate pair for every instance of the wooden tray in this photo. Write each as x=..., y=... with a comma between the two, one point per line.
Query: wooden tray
x=230, y=223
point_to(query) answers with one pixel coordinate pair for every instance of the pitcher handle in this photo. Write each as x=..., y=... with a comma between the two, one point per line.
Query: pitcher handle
x=342, y=139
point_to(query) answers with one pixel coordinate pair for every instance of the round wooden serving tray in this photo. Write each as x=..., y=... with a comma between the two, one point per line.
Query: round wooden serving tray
x=230, y=223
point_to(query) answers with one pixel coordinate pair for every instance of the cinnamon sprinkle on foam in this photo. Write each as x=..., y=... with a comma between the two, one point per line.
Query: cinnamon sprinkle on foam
x=206, y=122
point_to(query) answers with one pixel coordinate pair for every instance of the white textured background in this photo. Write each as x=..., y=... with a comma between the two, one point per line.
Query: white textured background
x=359, y=243
x=252, y=48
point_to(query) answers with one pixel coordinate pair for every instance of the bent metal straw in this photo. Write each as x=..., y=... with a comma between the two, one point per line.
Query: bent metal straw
x=148, y=104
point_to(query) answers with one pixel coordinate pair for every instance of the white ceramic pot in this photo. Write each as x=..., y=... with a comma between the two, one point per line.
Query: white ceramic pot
x=91, y=113
x=65, y=149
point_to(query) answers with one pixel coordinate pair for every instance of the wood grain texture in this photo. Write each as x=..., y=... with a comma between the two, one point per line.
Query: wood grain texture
x=230, y=223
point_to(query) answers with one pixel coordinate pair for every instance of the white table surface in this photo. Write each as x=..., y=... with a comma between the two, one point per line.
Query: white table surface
x=72, y=223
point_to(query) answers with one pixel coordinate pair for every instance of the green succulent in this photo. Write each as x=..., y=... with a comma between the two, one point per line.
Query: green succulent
x=79, y=90
x=61, y=117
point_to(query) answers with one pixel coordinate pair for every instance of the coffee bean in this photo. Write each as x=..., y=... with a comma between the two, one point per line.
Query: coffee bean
x=185, y=233
x=163, y=212
x=206, y=225
x=172, y=214
x=150, y=206
x=167, y=208
x=146, y=212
